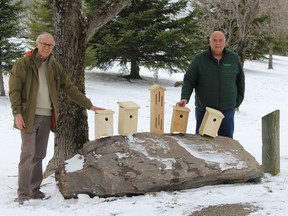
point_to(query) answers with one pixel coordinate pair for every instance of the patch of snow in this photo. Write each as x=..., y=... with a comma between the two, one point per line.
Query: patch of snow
x=74, y=164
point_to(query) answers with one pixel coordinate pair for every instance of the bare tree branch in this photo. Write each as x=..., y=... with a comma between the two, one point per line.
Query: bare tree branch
x=100, y=16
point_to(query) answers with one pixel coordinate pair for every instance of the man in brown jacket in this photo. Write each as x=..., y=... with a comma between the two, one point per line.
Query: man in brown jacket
x=34, y=86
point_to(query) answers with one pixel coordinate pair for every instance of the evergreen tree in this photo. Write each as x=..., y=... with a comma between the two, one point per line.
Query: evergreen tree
x=9, y=27
x=153, y=34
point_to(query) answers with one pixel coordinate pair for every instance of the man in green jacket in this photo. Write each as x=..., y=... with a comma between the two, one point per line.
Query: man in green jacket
x=34, y=85
x=217, y=76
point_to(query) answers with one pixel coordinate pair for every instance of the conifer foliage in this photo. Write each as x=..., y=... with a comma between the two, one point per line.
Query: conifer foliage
x=38, y=19
x=153, y=34
x=9, y=27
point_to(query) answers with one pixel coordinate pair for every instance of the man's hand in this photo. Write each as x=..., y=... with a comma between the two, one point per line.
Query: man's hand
x=94, y=108
x=182, y=103
x=19, y=121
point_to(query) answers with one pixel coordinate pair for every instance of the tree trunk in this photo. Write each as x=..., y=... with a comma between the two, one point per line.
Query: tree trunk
x=2, y=89
x=270, y=62
x=134, y=70
x=72, y=32
x=69, y=34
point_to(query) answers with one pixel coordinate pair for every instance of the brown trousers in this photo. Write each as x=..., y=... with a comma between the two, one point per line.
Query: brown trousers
x=33, y=151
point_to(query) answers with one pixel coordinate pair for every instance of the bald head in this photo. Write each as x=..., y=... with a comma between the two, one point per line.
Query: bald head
x=45, y=43
x=217, y=44
x=217, y=34
x=45, y=35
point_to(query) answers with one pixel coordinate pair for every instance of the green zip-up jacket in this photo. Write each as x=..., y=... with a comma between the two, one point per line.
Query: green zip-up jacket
x=218, y=84
x=24, y=82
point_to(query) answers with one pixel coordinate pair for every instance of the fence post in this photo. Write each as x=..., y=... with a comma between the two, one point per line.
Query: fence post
x=270, y=143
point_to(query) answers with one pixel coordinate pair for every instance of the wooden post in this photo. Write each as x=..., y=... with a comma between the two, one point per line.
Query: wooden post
x=270, y=143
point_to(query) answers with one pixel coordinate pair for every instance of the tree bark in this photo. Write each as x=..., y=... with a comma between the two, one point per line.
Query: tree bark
x=2, y=89
x=270, y=62
x=70, y=33
x=135, y=70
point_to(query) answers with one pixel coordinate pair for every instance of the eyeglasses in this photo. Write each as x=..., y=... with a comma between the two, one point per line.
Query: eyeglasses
x=50, y=46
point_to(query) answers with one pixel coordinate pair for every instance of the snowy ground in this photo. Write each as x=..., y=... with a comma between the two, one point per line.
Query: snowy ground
x=266, y=91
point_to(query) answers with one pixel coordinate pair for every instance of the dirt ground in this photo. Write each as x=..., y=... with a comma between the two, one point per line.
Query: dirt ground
x=239, y=209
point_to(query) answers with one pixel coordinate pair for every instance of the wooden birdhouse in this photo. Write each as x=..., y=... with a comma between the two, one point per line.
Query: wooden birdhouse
x=179, y=119
x=211, y=122
x=157, y=109
x=103, y=123
x=128, y=117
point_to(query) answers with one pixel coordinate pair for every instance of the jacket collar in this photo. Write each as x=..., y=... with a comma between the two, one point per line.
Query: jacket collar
x=34, y=55
x=211, y=55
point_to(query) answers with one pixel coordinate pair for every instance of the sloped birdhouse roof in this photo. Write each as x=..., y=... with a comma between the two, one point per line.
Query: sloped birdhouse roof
x=128, y=105
x=156, y=87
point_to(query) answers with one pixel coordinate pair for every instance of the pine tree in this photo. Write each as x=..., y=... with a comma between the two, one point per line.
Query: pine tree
x=9, y=27
x=153, y=34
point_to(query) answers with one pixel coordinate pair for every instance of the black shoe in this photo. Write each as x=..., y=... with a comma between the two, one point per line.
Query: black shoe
x=38, y=195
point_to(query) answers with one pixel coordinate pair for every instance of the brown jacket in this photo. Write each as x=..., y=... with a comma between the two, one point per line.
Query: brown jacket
x=23, y=87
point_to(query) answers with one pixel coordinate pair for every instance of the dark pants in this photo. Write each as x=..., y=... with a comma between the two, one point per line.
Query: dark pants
x=227, y=124
x=33, y=151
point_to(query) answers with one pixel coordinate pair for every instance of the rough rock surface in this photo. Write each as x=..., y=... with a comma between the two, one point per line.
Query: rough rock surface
x=237, y=209
x=145, y=162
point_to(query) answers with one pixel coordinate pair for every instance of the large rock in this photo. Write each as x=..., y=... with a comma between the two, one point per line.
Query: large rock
x=145, y=162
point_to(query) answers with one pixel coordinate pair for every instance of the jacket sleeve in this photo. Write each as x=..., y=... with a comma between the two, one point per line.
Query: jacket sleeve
x=240, y=85
x=73, y=92
x=189, y=81
x=16, y=82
